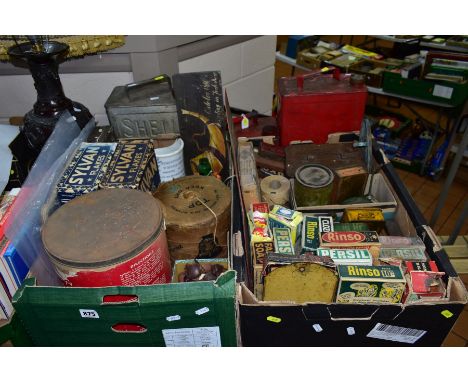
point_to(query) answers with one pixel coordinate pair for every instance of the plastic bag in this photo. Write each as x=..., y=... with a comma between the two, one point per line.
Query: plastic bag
x=25, y=223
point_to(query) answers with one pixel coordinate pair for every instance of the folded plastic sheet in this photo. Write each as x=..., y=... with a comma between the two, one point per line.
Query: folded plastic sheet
x=24, y=225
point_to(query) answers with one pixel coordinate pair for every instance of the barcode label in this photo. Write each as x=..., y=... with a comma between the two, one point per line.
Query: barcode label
x=442, y=91
x=396, y=333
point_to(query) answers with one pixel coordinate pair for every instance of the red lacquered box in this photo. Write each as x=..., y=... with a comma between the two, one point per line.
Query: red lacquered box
x=315, y=105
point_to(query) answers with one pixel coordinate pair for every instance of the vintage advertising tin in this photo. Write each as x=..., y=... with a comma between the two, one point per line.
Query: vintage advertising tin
x=370, y=284
x=132, y=166
x=310, y=234
x=282, y=217
x=373, y=217
x=347, y=256
x=109, y=237
x=282, y=240
x=197, y=212
x=313, y=185
x=85, y=171
x=143, y=109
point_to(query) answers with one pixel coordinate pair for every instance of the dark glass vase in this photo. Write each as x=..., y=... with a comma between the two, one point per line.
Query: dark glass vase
x=43, y=64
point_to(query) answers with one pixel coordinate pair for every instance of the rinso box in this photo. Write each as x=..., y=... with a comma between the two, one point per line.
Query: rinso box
x=313, y=106
x=370, y=284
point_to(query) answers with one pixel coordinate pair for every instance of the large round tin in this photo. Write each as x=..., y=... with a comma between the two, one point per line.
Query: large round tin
x=313, y=185
x=109, y=237
x=194, y=208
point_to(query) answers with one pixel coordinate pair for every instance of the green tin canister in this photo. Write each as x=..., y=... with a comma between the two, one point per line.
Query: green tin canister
x=313, y=185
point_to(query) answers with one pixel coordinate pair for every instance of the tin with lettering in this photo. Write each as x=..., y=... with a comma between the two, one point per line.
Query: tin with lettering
x=313, y=185
x=109, y=237
x=143, y=109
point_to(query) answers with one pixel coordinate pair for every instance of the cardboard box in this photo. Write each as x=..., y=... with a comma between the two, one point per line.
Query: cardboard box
x=153, y=315
x=133, y=166
x=85, y=171
x=317, y=324
x=370, y=284
x=377, y=186
x=282, y=217
x=260, y=249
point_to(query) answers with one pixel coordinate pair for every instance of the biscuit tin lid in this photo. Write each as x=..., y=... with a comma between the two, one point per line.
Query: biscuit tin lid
x=102, y=228
x=314, y=175
x=182, y=200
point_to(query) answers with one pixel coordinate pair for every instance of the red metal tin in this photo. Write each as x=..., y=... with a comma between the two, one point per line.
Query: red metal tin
x=312, y=107
x=108, y=238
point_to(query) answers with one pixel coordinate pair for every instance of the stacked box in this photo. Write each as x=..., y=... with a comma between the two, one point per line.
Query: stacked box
x=370, y=284
x=352, y=240
x=373, y=217
x=347, y=256
x=310, y=234
x=85, y=171
x=401, y=242
x=406, y=254
x=283, y=242
x=132, y=166
x=282, y=217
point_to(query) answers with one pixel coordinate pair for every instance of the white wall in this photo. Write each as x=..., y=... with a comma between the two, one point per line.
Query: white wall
x=247, y=71
x=17, y=93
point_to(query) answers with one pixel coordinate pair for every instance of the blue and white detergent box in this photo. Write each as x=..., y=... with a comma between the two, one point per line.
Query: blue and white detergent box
x=86, y=170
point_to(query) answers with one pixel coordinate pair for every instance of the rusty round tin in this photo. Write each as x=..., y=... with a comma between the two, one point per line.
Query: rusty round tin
x=109, y=237
x=313, y=185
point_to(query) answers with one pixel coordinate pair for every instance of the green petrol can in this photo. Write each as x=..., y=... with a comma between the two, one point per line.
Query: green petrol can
x=313, y=185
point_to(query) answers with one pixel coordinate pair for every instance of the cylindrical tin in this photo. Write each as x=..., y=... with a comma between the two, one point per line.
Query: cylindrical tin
x=313, y=185
x=109, y=237
x=196, y=208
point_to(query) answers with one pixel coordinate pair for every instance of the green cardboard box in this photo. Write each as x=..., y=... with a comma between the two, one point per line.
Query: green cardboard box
x=182, y=314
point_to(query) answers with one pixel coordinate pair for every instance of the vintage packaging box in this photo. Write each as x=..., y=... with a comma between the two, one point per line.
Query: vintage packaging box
x=133, y=165
x=339, y=227
x=260, y=249
x=373, y=217
x=352, y=239
x=347, y=256
x=86, y=170
x=282, y=217
x=424, y=281
x=401, y=242
x=282, y=240
x=370, y=284
x=258, y=281
x=326, y=224
x=310, y=240
x=406, y=254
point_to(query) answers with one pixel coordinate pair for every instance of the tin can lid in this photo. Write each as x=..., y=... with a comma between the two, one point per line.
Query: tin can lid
x=193, y=200
x=102, y=227
x=314, y=175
